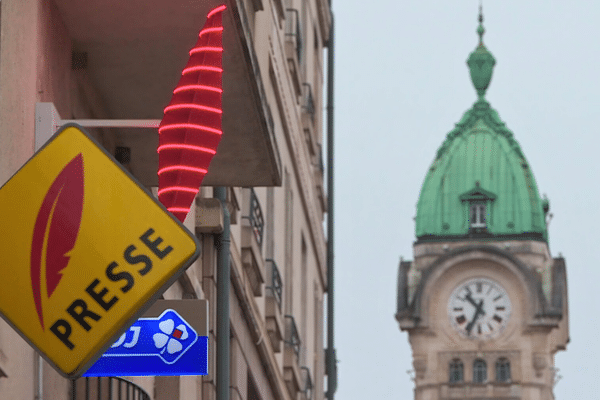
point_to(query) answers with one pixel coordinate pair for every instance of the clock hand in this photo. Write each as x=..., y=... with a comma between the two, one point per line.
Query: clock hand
x=470, y=299
x=478, y=311
x=478, y=307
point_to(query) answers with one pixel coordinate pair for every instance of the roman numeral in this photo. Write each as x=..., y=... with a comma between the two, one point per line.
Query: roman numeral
x=498, y=318
x=499, y=308
x=497, y=297
x=458, y=308
x=479, y=287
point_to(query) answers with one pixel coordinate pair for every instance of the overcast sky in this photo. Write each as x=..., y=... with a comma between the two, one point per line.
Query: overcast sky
x=401, y=85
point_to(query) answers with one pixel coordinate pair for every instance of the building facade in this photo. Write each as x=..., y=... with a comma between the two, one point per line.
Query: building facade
x=112, y=59
x=483, y=300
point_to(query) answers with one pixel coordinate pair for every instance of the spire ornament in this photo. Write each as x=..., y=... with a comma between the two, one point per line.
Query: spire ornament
x=480, y=28
x=481, y=62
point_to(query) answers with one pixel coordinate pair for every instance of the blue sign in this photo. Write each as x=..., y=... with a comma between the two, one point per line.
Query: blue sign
x=166, y=345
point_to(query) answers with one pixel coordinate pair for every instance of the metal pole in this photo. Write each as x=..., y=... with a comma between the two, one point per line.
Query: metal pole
x=40, y=360
x=223, y=280
x=113, y=123
x=330, y=360
x=40, y=382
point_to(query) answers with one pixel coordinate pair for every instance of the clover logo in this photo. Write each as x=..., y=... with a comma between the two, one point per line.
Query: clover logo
x=168, y=338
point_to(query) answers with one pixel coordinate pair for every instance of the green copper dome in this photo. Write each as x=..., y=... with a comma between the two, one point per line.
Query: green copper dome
x=480, y=184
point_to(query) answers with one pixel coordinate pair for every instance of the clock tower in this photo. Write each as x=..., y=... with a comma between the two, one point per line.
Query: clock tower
x=483, y=301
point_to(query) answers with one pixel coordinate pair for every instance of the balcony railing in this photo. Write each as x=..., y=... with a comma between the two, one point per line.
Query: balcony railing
x=274, y=317
x=257, y=221
x=292, y=338
x=276, y=284
x=308, y=102
x=308, y=385
x=320, y=164
x=106, y=388
x=291, y=370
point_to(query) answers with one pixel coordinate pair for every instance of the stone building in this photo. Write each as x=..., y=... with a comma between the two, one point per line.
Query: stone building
x=101, y=60
x=483, y=300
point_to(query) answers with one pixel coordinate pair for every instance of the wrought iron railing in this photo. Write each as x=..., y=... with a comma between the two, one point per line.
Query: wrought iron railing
x=308, y=103
x=293, y=30
x=276, y=284
x=321, y=165
x=106, y=388
x=292, y=338
x=257, y=221
x=308, y=385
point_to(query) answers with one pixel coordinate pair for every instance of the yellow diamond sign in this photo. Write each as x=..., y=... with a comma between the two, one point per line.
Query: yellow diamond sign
x=85, y=250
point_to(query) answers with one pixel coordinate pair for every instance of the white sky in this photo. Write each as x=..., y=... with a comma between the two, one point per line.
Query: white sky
x=401, y=85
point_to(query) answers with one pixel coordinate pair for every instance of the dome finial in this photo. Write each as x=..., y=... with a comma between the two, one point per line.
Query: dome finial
x=480, y=28
x=481, y=61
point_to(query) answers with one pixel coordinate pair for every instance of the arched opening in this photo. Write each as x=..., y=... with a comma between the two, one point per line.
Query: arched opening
x=479, y=371
x=503, y=370
x=456, y=371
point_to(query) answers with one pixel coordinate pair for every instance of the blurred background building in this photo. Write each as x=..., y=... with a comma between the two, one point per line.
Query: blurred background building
x=484, y=302
x=113, y=59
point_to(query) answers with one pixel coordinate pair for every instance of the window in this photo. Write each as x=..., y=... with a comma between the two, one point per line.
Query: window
x=479, y=209
x=289, y=242
x=502, y=370
x=293, y=31
x=252, y=392
x=479, y=371
x=303, y=294
x=456, y=371
x=477, y=215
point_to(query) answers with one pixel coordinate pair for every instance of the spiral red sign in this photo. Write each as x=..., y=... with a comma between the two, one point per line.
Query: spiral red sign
x=191, y=127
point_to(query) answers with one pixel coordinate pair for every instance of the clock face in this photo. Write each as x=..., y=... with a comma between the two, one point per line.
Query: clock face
x=479, y=308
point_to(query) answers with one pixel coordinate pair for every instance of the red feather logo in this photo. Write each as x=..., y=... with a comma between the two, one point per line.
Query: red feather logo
x=191, y=127
x=56, y=228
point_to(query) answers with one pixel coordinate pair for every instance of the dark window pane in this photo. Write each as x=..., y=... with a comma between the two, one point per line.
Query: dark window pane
x=477, y=215
x=456, y=371
x=503, y=370
x=479, y=371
